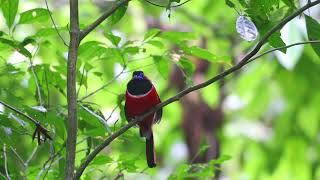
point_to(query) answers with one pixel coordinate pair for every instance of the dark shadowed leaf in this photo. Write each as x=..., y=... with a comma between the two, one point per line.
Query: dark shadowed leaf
x=117, y=15
x=313, y=29
x=187, y=66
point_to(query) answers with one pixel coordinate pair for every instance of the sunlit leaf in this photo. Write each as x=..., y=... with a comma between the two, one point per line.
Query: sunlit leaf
x=162, y=65
x=199, y=52
x=101, y=160
x=112, y=38
x=9, y=10
x=34, y=15
x=176, y=36
x=156, y=43
x=151, y=34
x=17, y=46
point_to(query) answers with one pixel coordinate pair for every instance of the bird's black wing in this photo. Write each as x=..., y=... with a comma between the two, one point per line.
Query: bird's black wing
x=125, y=113
x=158, y=115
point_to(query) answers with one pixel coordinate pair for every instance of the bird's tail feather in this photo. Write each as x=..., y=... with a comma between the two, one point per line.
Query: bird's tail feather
x=151, y=157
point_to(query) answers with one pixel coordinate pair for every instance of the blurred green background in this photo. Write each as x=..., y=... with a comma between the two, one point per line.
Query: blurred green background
x=262, y=121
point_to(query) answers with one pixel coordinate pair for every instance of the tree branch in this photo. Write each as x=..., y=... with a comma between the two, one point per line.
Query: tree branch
x=103, y=17
x=283, y=47
x=72, y=124
x=225, y=73
x=39, y=127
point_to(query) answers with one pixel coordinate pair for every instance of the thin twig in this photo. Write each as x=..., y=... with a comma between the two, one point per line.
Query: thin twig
x=31, y=156
x=81, y=79
x=119, y=175
x=18, y=156
x=19, y=112
x=54, y=24
x=103, y=17
x=104, y=85
x=51, y=158
x=112, y=112
x=177, y=5
x=225, y=73
x=283, y=47
x=36, y=79
x=39, y=127
x=5, y=162
x=3, y=175
x=48, y=91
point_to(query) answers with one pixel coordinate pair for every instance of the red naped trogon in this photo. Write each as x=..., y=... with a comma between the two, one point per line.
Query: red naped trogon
x=141, y=95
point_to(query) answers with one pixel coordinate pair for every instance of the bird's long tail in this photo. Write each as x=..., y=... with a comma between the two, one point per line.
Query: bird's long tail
x=151, y=157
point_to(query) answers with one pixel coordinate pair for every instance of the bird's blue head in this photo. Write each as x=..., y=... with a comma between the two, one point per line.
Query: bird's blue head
x=138, y=75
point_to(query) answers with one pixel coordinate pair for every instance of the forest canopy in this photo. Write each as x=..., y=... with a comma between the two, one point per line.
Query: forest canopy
x=238, y=82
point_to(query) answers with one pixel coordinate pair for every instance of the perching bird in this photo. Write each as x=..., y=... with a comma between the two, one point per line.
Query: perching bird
x=141, y=95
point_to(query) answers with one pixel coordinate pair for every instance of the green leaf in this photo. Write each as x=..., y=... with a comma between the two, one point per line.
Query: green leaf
x=91, y=49
x=34, y=15
x=220, y=160
x=289, y=3
x=45, y=32
x=276, y=41
x=162, y=65
x=17, y=46
x=117, y=15
x=156, y=43
x=199, y=52
x=187, y=66
x=176, y=36
x=102, y=160
x=313, y=30
x=151, y=34
x=230, y=3
x=112, y=38
x=97, y=114
x=9, y=10
x=131, y=50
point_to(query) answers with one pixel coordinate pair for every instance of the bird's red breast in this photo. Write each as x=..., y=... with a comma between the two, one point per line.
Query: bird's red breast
x=138, y=104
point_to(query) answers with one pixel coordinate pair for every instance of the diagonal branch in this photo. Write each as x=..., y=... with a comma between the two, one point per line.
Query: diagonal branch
x=283, y=47
x=103, y=17
x=225, y=73
x=104, y=85
x=54, y=24
x=39, y=127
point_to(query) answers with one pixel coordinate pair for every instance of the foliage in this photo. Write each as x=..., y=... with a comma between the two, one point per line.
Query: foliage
x=271, y=134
